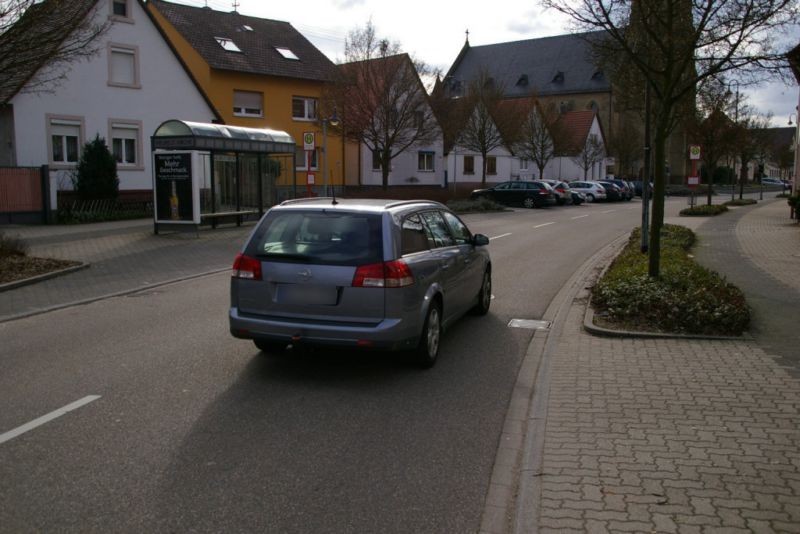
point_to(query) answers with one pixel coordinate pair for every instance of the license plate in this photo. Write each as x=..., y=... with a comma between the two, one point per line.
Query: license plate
x=307, y=294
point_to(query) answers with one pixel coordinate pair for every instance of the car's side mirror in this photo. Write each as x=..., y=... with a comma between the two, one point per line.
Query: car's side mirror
x=480, y=240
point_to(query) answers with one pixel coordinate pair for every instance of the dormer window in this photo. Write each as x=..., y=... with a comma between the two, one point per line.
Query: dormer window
x=598, y=75
x=247, y=28
x=523, y=80
x=559, y=77
x=287, y=54
x=227, y=44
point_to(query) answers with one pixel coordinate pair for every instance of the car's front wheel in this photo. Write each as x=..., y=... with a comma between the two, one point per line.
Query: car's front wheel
x=428, y=348
x=529, y=203
x=484, y=295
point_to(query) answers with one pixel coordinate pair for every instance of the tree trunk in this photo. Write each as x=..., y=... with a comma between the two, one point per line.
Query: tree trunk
x=657, y=221
x=742, y=176
x=385, y=166
x=541, y=172
x=711, y=171
x=483, y=169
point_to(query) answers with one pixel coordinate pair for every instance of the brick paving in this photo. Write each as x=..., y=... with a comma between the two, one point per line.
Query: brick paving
x=686, y=436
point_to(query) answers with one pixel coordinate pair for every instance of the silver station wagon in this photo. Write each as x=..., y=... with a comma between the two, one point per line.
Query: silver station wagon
x=376, y=274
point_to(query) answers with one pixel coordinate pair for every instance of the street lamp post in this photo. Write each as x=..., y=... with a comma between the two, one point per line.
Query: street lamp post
x=796, y=148
x=333, y=120
x=736, y=122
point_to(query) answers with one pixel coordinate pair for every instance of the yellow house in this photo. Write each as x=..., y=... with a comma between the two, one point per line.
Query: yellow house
x=259, y=73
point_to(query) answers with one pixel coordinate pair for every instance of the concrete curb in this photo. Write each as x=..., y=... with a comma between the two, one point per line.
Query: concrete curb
x=42, y=277
x=122, y=293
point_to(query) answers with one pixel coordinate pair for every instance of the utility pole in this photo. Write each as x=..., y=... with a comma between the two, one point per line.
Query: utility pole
x=646, y=177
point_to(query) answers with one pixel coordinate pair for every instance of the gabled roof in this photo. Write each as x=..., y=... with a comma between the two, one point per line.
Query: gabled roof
x=551, y=65
x=49, y=33
x=257, y=40
x=576, y=126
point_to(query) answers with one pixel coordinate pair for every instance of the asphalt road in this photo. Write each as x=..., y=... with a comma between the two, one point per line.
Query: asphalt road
x=196, y=431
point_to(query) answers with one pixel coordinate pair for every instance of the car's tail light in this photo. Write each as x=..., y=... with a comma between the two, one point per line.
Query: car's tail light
x=246, y=267
x=387, y=274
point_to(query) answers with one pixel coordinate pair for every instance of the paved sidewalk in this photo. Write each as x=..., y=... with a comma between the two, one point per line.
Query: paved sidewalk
x=681, y=435
x=123, y=256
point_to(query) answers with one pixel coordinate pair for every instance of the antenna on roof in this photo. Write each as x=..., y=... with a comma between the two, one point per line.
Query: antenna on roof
x=467, y=32
x=235, y=5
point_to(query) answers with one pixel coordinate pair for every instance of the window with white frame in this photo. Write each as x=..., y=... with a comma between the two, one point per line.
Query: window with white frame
x=123, y=66
x=304, y=109
x=523, y=164
x=425, y=161
x=301, y=159
x=469, y=165
x=126, y=143
x=65, y=140
x=248, y=104
x=376, y=160
x=491, y=165
x=227, y=44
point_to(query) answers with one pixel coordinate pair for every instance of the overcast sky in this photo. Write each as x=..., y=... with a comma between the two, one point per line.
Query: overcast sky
x=435, y=31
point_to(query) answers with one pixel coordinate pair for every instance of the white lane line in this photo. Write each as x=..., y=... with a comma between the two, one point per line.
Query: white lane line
x=499, y=236
x=579, y=217
x=11, y=434
x=545, y=224
x=608, y=211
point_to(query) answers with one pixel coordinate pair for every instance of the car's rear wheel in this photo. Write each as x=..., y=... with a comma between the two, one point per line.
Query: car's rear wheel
x=428, y=349
x=529, y=203
x=485, y=295
x=269, y=346
x=589, y=197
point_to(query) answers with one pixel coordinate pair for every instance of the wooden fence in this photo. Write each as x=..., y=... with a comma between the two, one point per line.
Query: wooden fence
x=24, y=195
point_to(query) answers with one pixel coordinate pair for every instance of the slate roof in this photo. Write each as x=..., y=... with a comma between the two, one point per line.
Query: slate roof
x=23, y=61
x=200, y=26
x=547, y=66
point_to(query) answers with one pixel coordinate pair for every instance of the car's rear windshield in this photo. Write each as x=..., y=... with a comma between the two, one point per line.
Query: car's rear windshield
x=318, y=236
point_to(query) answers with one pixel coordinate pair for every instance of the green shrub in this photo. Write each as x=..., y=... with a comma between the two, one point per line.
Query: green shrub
x=782, y=195
x=473, y=206
x=686, y=298
x=96, y=175
x=12, y=246
x=794, y=201
x=704, y=210
x=741, y=202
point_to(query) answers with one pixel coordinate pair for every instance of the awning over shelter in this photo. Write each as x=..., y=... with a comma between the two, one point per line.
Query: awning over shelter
x=185, y=135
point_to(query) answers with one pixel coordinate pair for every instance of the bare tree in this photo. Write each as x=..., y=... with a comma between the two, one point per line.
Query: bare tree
x=486, y=120
x=40, y=40
x=751, y=139
x=712, y=127
x=590, y=153
x=380, y=97
x=540, y=134
x=676, y=44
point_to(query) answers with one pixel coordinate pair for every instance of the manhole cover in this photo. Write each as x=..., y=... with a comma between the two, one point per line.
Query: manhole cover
x=529, y=324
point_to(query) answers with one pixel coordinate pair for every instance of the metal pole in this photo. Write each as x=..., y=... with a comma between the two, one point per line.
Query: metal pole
x=325, y=154
x=646, y=177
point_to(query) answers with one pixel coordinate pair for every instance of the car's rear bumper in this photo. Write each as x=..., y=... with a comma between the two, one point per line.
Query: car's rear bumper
x=393, y=334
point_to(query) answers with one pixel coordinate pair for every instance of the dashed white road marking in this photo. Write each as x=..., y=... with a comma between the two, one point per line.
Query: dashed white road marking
x=579, y=217
x=11, y=434
x=608, y=211
x=545, y=224
x=499, y=236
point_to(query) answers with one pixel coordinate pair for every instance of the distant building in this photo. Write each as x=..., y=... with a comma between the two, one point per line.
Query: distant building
x=560, y=70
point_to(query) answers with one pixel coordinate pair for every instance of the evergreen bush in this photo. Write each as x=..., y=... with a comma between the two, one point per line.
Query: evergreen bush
x=96, y=175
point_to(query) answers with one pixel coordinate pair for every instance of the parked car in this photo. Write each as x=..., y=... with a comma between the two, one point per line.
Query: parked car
x=613, y=191
x=627, y=191
x=773, y=182
x=637, y=184
x=520, y=193
x=377, y=274
x=562, y=191
x=577, y=198
x=591, y=190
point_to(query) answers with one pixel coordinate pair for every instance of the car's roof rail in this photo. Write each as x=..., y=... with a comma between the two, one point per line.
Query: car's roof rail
x=305, y=199
x=411, y=202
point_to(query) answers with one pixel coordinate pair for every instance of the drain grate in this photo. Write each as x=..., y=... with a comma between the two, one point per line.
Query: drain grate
x=530, y=324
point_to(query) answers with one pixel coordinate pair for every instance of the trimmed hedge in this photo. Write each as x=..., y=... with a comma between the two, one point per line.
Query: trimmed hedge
x=12, y=246
x=474, y=206
x=686, y=298
x=741, y=202
x=704, y=210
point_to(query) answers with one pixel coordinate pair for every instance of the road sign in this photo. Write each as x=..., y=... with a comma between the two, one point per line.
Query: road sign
x=309, y=141
x=693, y=181
x=310, y=179
x=694, y=151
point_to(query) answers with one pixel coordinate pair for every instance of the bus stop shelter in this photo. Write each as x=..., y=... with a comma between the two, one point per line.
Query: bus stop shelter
x=204, y=173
